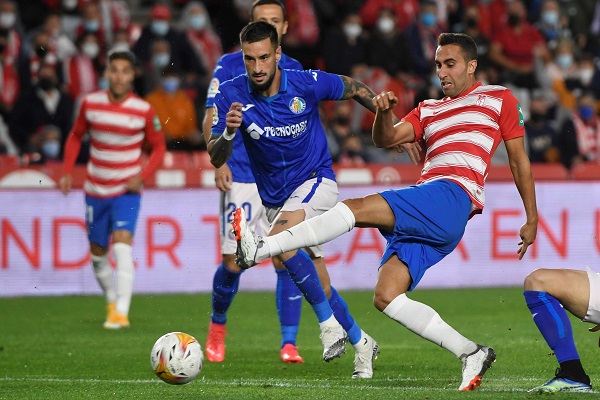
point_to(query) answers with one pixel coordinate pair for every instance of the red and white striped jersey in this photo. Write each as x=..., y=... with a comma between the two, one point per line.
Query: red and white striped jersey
x=462, y=133
x=117, y=132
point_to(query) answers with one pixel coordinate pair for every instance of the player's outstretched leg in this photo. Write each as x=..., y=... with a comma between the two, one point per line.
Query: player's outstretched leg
x=104, y=275
x=225, y=287
x=304, y=274
x=365, y=346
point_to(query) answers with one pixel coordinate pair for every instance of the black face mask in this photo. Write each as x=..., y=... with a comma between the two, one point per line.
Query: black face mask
x=342, y=120
x=41, y=51
x=514, y=20
x=354, y=153
x=2, y=47
x=537, y=116
x=45, y=83
x=471, y=22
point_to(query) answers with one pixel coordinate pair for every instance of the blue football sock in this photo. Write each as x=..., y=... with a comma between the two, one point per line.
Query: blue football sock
x=304, y=274
x=225, y=286
x=342, y=314
x=553, y=322
x=289, y=306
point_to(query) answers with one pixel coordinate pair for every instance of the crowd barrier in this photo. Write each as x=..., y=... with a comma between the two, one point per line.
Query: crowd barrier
x=44, y=249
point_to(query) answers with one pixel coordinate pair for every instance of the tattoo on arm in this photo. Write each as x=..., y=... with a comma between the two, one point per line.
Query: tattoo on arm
x=358, y=91
x=281, y=222
x=220, y=151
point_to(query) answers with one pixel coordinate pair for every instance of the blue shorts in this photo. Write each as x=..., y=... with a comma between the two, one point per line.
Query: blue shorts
x=430, y=221
x=103, y=216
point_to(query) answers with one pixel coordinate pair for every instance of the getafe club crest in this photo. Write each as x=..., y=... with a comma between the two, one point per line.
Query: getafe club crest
x=297, y=105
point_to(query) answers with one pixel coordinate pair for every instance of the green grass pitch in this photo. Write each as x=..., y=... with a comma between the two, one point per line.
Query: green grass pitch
x=56, y=348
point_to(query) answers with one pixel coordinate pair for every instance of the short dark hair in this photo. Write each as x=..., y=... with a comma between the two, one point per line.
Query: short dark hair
x=258, y=3
x=258, y=31
x=120, y=54
x=465, y=42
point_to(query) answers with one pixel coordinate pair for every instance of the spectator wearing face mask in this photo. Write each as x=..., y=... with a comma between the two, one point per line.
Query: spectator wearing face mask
x=45, y=146
x=405, y=12
x=9, y=23
x=196, y=24
x=41, y=52
x=471, y=24
x=182, y=56
x=553, y=26
x=389, y=48
x=82, y=71
x=345, y=46
x=422, y=35
x=92, y=22
x=176, y=112
x=540, y=133
x=579, y=138
x=44, y=104
x=513, y=48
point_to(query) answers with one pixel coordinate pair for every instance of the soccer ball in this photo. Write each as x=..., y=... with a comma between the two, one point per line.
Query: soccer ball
x=176, y=358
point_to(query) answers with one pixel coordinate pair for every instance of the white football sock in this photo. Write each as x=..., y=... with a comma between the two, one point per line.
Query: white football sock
x=318, y=230
x=427, y=323
x=104, y=276
x=125, y=275
x=330, y=322
x=361, y=345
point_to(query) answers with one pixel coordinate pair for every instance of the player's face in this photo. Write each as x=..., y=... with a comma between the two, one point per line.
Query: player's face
x=273, y=14
x=455, y=73
x=120, y=75
x=260, y=59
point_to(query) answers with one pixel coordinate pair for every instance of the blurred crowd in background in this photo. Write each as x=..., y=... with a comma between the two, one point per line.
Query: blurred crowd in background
x=53, y=52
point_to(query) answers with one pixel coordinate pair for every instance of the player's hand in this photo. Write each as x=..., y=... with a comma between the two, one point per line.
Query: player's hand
x=385, y=101
x=66, y=182
x=233, y=119
x=412, y=149
x=134, y=184
x=527, y=233
x=223, y=178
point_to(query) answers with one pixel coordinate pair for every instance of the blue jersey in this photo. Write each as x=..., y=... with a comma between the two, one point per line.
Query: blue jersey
x=228, y=67
x=283, y=134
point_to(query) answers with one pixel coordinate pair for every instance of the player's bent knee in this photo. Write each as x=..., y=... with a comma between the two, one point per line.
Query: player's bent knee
x=382, y=299
x=537, y=280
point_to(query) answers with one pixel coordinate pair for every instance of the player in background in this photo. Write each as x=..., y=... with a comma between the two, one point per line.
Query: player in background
x=277, y=114
x=424, y=223
x=238, y=189
x=118, y=122
x=548, y=292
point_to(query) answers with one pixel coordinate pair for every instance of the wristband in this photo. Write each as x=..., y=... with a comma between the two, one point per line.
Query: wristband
x=227, y=135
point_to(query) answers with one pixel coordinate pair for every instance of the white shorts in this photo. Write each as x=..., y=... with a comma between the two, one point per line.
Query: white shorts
x=593, y=312
x=243, y=195
x=315, y=196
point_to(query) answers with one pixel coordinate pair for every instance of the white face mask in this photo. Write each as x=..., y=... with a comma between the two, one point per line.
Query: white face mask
x=90, y=49
x=197, y=22
x=70, y=4
x=586, y=75
x=7, y=19
x=352, y=30
x=385, y=24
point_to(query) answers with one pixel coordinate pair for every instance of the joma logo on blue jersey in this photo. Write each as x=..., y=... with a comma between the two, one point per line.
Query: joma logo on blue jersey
x=294, y=130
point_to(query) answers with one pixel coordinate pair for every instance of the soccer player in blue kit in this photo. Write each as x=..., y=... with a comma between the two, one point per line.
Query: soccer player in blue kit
x=238, y=189
x=276, y=112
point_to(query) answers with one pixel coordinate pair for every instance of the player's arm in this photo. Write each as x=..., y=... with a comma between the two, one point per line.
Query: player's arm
x=220, y=148
x=72, y=148
x=521, y=171
x=364, y=95
x=387, y=131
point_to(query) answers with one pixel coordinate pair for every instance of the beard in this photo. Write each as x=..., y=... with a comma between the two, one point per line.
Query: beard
x=259, y=87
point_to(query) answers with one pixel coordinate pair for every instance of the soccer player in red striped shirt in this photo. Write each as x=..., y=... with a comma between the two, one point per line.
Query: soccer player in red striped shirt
x=118, y=122
x=424, y=223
